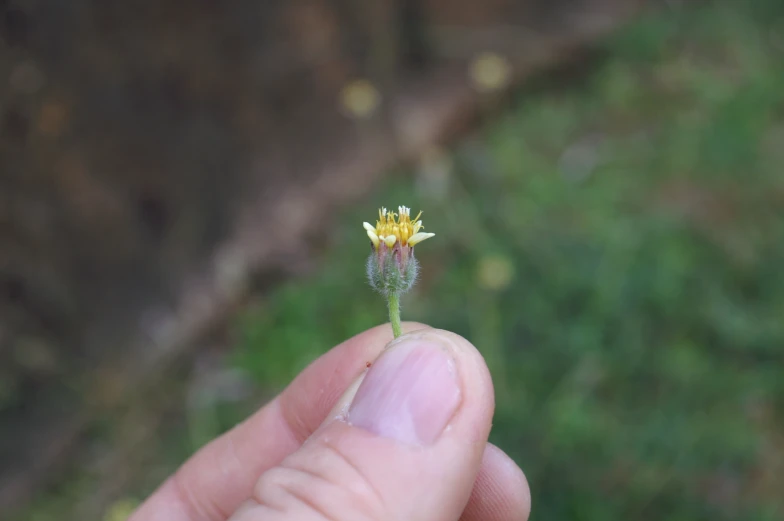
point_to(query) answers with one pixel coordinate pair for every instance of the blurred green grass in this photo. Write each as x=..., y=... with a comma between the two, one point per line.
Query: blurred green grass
x=615, y=250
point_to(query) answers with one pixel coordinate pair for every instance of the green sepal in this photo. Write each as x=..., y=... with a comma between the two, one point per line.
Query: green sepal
x=388, y=277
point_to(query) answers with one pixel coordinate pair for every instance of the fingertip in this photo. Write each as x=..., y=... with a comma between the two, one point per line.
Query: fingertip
x=476, y=412
x=410, y=326
x=501, y=491
x=371, y=342
x=306, y=402
x=409, y=441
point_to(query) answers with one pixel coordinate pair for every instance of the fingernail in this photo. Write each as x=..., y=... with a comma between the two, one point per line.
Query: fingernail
x=409, y=394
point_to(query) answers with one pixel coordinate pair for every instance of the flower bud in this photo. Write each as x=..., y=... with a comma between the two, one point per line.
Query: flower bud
x=392, y=270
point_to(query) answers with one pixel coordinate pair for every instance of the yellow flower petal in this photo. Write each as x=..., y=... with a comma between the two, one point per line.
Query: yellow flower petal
x=394, y=227
x=419, y=237
x=373, y=238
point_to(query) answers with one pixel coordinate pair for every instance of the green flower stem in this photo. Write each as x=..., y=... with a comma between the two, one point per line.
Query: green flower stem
x=394, y=313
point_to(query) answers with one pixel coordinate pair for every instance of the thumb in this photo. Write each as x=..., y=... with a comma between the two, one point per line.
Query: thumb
x=405, y=443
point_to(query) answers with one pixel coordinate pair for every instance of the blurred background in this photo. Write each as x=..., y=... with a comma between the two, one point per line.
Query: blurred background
x=182, y=187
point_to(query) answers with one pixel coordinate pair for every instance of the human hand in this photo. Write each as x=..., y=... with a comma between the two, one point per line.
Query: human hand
x=403, y=440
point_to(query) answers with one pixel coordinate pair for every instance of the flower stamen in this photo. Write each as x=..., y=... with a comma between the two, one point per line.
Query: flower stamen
x=394, y=227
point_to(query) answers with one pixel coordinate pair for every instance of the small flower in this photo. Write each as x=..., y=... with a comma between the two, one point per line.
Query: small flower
x=392, y=227
x=392, y=266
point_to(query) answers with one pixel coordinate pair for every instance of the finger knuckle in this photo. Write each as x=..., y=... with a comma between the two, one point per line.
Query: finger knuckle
x=323, y=482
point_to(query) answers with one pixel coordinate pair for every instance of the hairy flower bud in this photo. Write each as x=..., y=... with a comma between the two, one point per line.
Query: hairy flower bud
x=392, y=270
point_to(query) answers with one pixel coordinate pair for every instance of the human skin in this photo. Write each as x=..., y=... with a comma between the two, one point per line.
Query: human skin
x=402, y=439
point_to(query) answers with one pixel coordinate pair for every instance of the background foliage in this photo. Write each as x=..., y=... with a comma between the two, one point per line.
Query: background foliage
x=614, y=249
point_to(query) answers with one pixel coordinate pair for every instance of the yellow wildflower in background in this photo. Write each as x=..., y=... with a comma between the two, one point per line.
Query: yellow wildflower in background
x=121, y=510
x=360, y=99
x=490, y=72
x=495, y=272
